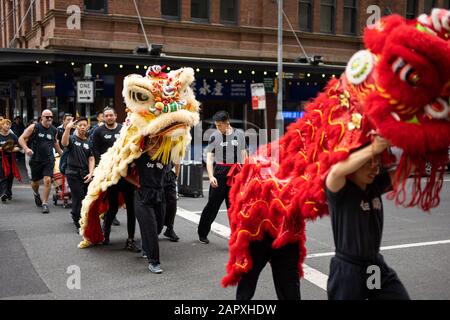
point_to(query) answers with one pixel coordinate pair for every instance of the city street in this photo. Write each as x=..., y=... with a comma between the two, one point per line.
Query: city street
x=38, y=249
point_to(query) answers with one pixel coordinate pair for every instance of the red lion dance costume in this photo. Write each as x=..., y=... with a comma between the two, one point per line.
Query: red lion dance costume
x=399, y=87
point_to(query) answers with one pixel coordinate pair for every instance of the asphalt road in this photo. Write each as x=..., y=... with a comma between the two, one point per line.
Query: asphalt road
x=37, y=251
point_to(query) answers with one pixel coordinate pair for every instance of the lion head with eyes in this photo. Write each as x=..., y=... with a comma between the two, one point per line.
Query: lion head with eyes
x=402, y=83
x=162, y=104
x=162, y=108
x=410, y=105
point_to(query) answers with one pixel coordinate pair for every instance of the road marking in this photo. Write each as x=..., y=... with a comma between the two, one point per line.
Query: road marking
x=387, y=248
x=199, y=212
x=310, y=274
x=315, y=277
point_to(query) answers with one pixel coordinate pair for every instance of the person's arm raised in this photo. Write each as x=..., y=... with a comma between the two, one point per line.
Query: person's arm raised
x=336, y=178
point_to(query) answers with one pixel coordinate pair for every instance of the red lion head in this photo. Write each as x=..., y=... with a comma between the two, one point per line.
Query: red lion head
x=403, y=80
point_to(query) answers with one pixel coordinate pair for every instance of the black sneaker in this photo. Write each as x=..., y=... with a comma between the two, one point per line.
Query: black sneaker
x=37, y=199
x=77, y=226
x=203, y=240
x=45, y=208
x=9, y=198
x=131, y=245
x=155, y=268
x=116, y=222
x=106, y=236
x=4, y=197
x=169, y=233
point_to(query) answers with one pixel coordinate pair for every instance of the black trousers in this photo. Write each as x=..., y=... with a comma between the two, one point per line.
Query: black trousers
x=151, y=221
x=127, y=190
x=215, y=200
x=284, y=263
x=169, y=204
x=348, y=281
x=6, y=182
x=78, y=191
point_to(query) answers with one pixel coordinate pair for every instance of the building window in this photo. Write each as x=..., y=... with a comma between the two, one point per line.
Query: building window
x=200, y=10
x=350, y=16
x=305, y=15
x=327, y=16
x=446, y=4
x=170, y=9
x=411, y=9
x=229, y=11
x=96, y=5
x=429, y=5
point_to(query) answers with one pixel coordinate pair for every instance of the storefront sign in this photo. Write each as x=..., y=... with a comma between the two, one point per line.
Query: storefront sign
x=85, y=92
x=221, y=89
x=258, y=96
x=269, y=84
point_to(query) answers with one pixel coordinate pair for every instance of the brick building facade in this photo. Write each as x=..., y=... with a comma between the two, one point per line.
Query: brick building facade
x=237, y=30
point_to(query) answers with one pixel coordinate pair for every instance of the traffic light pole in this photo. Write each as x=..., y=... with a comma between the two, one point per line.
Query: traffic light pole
x=279, y=118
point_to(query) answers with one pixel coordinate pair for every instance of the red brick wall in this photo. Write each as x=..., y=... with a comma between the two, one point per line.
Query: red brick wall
x=254, y=37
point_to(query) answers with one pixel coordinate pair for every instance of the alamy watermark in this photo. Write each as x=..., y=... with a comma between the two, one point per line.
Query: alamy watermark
x=73, y=22
x=74, y=279
x=374, y=280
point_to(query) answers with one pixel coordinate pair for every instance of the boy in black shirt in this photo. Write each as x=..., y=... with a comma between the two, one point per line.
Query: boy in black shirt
x=354, y=188
x=80, y=164
x=103, y=138
x=148, y=201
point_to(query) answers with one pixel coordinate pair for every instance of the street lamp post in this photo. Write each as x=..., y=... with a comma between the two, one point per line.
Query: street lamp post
x=279, y=118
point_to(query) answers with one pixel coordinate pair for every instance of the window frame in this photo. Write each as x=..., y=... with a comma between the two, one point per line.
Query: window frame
x=356, y=9
x=237, y=11
x=310, y=13
x=410, y=15
x=208, y=12
x=104, y=11
x=333, y=20
x=169, y=17
x=446, y=4
x=434, y=5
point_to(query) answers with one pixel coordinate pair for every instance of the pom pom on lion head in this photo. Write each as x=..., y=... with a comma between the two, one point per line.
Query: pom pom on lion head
x=411, y=103
x=161, y=107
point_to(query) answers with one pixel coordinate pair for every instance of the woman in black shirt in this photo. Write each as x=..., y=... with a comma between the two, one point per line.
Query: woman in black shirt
x=9, y=170
x=80, y=164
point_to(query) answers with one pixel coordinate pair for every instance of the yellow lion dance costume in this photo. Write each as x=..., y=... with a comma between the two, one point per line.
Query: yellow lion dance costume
x=160, y=105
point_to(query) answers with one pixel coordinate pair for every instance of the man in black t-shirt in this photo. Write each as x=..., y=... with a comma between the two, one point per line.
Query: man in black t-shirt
x=42, y=136
x=80, y=164
x=354, y=188
x=226, y=148
x=103, y=138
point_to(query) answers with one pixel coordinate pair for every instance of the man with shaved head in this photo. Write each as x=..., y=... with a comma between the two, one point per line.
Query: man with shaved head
x=38, y=141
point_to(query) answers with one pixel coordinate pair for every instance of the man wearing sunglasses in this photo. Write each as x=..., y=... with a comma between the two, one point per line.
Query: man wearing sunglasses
x=38, y=141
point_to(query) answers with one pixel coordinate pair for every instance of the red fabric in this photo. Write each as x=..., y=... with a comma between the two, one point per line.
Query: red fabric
x=234, y=170
x=93, y=231
x=282, y=186
x=7, y=167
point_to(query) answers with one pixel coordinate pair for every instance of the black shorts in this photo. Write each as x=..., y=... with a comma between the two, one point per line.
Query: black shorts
x=349, y=281
x=41, y=169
